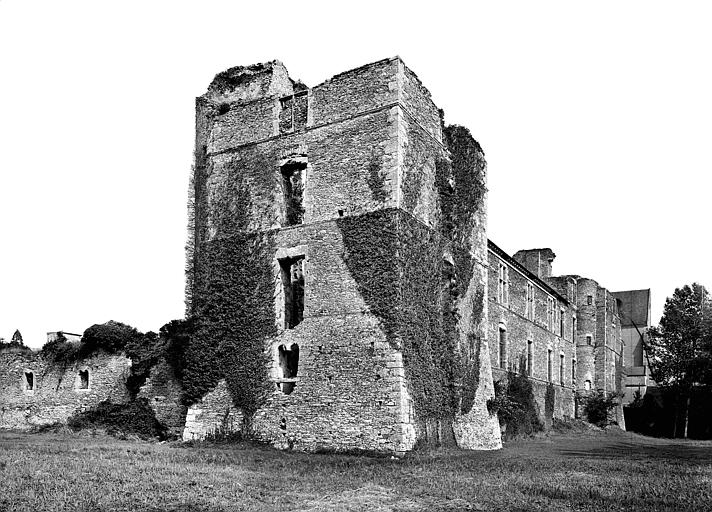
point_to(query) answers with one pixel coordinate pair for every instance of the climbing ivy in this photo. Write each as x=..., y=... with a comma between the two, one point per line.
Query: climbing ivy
x=232, y=294
x=402, y=271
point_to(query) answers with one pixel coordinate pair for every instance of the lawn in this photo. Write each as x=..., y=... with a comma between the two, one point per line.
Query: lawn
x=593, y=471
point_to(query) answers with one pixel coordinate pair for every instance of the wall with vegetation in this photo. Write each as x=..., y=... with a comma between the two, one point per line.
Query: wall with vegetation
x=56, y=393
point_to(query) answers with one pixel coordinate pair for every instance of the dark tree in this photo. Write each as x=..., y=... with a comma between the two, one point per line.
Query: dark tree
x=17, y=338
x=679, y=348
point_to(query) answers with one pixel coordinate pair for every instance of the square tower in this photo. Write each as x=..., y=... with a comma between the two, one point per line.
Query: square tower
x=337, y=261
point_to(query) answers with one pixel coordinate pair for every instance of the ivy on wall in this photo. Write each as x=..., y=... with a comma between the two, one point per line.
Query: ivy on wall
x=401, y=268
x=232, y=294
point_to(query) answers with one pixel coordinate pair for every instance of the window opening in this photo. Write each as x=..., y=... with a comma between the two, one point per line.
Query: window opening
x=549, y=364
x=589, y=340
x=293, y=191
x=293, y=282
x=561, y=370
x=29, y=381
x=289, y=364
x=573, y=373
x=587, y=385
x=502, y=348
x=530, y=301
x=83, y=379
x=293, y=112
x=503, y=284
x=562, y=321
x=589, y=300
x=529, y=358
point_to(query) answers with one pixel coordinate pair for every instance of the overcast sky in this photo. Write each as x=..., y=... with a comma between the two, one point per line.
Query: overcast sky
x=596, y=121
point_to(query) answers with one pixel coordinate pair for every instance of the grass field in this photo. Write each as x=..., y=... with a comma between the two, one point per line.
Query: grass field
x=593, y=471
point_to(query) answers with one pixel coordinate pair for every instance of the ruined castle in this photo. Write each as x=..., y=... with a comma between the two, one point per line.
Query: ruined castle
x=347, y=294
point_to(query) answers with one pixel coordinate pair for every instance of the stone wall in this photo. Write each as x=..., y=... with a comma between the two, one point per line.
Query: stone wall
x=524, y=336
x=371, y=142
x=163, y=393
x=57, y=393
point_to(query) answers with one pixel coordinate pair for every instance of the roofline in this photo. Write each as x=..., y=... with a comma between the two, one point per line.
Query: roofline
x=499, y=252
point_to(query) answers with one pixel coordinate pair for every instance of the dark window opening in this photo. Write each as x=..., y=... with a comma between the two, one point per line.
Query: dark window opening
x=529, y=358
x=293, y=282
x=502, y=348
x=341, y=213
x=549, y=364
x=289, y=364
x=561, y=370
x=223, y=108
x=29, y=381
x=589, y=300
x=589, y=340
x=84, y=379
x=293, y=191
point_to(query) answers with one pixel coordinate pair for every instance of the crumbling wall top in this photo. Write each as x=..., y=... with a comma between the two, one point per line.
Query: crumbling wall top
x=249, y=83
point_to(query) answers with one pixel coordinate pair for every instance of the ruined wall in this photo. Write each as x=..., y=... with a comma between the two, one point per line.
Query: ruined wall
x=57, y=392
x=362, y=151
x=163, y=392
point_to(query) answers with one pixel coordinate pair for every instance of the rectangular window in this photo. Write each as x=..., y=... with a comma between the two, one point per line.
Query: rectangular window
x=29, y=381
x=549, y=364
x=589, y=300
x=573, y=329
x=293, y=285
x=529, y=358
x=562, y=318
x=293, y=112
x=502, y=348
x=551, y=313
x=561, y=369
x=589, y=340
x=530, y=301
x=84, y=379
x=293, y=174
x=502, y=283
x=573, y=373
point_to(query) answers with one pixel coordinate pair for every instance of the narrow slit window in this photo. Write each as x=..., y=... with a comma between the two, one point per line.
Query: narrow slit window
x=573, y=373
x=589, y=340
x=561, y=370
x=293, y=283
x=529, y=358
x=503, y=348
x=549, y=364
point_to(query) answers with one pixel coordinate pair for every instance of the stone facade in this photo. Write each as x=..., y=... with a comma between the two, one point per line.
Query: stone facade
x=34, y=392
x=531, y=326
x=366, y=141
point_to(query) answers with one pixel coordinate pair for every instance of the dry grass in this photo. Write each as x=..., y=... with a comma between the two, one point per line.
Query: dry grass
x=592, y=471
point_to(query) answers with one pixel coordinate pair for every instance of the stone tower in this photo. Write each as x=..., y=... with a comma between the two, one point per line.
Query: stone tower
x=338, y=260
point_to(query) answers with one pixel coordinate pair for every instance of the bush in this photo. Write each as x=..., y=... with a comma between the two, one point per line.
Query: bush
x=599, y=405
x=515, y=406
x=135, y=417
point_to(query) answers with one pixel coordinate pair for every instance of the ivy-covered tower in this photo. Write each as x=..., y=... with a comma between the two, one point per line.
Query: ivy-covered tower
x=337, y=263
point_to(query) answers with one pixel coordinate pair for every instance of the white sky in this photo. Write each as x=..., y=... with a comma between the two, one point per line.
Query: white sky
x=596, y=120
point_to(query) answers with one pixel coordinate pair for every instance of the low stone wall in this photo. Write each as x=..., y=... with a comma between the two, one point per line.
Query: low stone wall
x=56, y=393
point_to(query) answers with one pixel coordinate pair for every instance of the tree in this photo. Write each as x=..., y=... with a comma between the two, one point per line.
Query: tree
x=17, y=338
x=679, y=348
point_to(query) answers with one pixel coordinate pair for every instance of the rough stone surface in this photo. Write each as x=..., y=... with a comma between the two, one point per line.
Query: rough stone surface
x=371, y=142
x=57, y=392
x=163, y=393
x=213, y=415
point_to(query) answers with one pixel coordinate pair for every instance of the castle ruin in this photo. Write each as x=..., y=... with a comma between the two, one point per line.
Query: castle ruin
x=346, y=292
